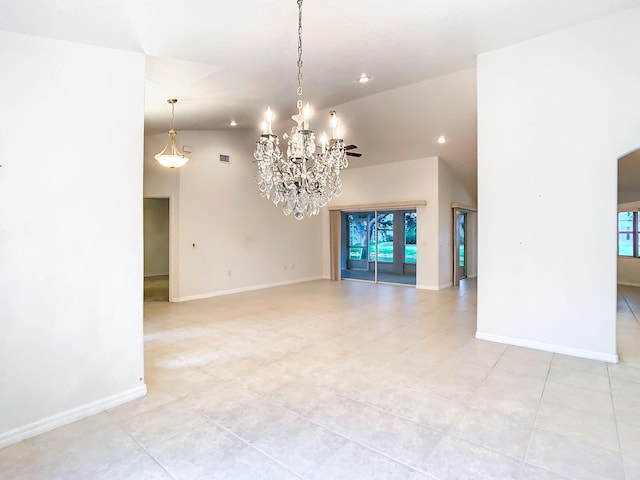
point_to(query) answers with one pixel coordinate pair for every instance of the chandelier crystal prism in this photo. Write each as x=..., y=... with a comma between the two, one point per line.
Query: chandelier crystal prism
x=308, y=177
x=171, y=156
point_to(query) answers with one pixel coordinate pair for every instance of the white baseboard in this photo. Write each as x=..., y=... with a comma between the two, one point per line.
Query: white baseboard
x=549, y=347
x=243, y=289
x=629, y=284
x=70, y=416
x=434, y=289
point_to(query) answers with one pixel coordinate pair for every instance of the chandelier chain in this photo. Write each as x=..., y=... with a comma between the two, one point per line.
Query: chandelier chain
x=172, y=114
x=307, y=176
x=299, y=90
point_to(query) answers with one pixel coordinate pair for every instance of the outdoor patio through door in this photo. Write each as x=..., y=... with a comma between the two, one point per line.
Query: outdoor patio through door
x=379, y=246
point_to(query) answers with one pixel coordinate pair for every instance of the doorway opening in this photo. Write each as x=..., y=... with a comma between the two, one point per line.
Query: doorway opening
x=463, y=255
x=379, y=246
x=156, y=249
x=628, y=255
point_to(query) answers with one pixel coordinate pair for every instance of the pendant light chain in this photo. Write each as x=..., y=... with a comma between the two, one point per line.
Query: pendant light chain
x=299, y=90
x=172, y=114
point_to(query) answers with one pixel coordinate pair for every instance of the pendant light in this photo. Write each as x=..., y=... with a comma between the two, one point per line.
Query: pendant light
x=171, y=156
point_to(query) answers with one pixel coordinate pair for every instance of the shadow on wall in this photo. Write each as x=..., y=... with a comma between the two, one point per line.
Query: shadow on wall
x=629, y=177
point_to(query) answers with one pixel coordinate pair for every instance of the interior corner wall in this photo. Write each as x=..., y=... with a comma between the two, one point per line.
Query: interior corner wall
x=226, y=237
x=71, y=259
x=450, y=190
x=396, y=182
x=554, y=115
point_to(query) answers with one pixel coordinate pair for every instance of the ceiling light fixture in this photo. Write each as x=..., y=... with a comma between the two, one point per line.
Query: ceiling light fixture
x=306, y=179
x=233, y=123
x=364, y=78
x=171, y=156
x=441, y=139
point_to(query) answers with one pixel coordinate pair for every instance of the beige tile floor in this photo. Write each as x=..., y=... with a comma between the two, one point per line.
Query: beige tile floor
x=348, y=380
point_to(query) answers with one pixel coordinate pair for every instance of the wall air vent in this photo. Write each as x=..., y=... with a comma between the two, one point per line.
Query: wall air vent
x=224, y=158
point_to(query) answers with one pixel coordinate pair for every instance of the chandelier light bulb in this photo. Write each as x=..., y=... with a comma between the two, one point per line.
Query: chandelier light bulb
x=334, y=124
x=307, y=116
x=268, y=117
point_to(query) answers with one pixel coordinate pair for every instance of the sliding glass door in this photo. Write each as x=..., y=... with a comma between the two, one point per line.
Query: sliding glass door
x=379, y=246
x=361, y=246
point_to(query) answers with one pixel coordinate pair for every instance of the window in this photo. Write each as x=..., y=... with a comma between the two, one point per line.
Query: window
x=384, y=234
x=628, y=234
x=410, y=237
x=358, y=237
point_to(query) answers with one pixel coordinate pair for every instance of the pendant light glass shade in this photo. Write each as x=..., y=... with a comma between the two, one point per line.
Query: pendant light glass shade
x=171, y=156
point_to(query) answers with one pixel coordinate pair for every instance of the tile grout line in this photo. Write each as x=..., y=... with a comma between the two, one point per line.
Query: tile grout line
x=370, y=448
x=444, y=432
x=535, y=420
x=629, y=305
x=615, y=418
x=156, y=461
x=251, y=445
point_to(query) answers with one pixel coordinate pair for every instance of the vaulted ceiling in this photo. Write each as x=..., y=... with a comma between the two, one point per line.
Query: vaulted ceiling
x=227, y=60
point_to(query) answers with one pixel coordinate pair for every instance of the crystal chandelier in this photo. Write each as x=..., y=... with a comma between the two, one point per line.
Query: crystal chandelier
x=171, y=156
x=309, y=176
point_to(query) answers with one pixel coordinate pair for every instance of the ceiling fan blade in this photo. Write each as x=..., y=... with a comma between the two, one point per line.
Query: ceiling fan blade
x=354, y=154
x=350, y=147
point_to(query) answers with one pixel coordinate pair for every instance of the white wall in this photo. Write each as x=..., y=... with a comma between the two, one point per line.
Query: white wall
x=427, y=179
x=401, y=181
x=555, y=114
x=156, y=236
x=71, y=130
x=218, y=207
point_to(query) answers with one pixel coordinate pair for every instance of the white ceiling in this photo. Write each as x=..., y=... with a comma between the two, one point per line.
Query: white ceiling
x=227, y=60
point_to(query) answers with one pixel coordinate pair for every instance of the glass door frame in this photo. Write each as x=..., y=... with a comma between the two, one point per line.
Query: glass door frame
x=373, y=250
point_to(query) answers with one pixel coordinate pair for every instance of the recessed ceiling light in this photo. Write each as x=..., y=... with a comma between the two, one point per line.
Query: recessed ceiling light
x=441, y=139
x=233, y=123
x=364, y=78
